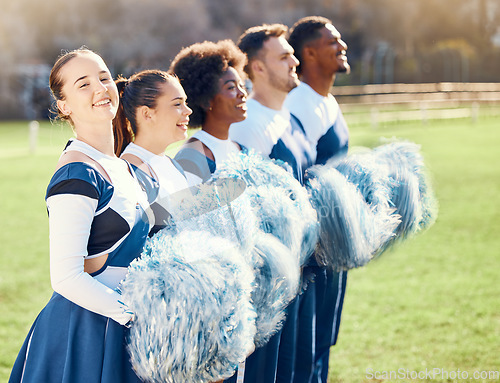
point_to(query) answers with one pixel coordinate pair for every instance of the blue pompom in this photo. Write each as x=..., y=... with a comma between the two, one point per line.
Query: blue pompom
x=393, y=180
x=221, y=207
x=372, y=180
x=351, y=230
x=190, y=293
x=277, y=278
x=406, y=166
x=288, y=234
x=298, y=216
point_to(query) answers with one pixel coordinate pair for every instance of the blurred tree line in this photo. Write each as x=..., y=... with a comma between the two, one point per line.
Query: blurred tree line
x=390, y=41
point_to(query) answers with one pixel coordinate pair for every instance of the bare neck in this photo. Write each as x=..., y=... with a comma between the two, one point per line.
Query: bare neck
x=268, y=96
x=216, y=127
x=151, y=144
x=320, y=83
x=100, y=138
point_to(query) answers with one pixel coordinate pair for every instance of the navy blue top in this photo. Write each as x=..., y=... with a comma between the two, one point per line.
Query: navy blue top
x=108, y=226
x=195, y=162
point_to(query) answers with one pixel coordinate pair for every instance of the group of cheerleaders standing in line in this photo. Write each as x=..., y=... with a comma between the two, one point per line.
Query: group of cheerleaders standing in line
x=197, y=269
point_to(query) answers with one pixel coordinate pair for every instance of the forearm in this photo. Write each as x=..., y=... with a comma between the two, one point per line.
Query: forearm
x=70, y=219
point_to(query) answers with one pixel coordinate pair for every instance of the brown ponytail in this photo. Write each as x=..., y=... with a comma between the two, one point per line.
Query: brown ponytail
x=142, y=88
x=122, y=130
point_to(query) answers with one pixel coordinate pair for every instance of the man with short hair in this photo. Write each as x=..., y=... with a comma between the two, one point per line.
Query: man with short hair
x=322, y=54
x=271, y=69
x=268, y=130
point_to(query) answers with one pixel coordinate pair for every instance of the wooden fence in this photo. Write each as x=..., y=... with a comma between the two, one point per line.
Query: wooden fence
x=409, y=102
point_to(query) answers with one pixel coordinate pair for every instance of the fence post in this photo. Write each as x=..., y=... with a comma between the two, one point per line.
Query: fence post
x=475, y=112
x=34, y=126
x=423, y=112
x=374, y=116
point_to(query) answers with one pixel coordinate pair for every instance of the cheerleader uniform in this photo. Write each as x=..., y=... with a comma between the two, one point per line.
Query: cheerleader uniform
x=80, y=335
x=274, y=135
x=168, y=177
x=326, y=130
x=196, y=165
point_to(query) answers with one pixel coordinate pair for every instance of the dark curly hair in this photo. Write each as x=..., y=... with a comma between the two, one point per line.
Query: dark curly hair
x=303, y=32
x=253, y=39
x=199, y=68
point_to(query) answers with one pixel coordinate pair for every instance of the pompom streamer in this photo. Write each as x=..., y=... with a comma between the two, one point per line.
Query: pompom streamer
x=221, y=207
x=216, y=282
x=351, y=232
x=268, y=174
x=360, y=169
x=277, y=214
x=214, y=222
x=190, y=293
x=277, y=277
x=397, y=202
x=403, y=157
x=287, y=234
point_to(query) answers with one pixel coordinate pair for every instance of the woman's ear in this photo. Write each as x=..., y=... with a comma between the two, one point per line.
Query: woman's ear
x=146, y=113
x=63, y=107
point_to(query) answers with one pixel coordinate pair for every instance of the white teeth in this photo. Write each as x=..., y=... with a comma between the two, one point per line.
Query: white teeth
x=103, y=102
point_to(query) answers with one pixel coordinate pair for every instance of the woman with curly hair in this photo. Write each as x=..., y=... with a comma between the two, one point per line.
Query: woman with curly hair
x=211, y=75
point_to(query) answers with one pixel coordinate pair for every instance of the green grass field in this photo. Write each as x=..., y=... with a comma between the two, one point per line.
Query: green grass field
x=431, y=303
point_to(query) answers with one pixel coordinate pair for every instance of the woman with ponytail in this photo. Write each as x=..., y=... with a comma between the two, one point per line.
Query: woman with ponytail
x=96, y=210
x=152, y=115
